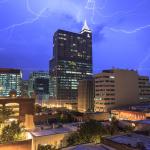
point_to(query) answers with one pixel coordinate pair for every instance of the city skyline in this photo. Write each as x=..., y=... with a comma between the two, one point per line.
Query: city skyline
x=120, y=32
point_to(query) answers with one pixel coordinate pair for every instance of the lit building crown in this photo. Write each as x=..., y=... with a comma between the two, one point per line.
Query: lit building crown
x=85, y=28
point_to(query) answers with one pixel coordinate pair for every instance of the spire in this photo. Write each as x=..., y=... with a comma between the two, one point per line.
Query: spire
x=85, y=27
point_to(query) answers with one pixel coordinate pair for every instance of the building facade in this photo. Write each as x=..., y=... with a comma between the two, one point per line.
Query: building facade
x=118, y=87
x=71, y=62
x=39, y=85
x=10, y=79
x=114, y=88
x=24, y=88
x=86, y=96
x=144, y=88
x=19, y=105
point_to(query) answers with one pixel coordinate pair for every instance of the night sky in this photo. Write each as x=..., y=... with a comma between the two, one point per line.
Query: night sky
x=121, y=32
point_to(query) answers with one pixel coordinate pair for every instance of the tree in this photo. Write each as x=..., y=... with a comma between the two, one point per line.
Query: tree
x=74, y=139
x=113, y=127
x=12, y=132
x=5, y=113
x=91, y=131
x=128, y=129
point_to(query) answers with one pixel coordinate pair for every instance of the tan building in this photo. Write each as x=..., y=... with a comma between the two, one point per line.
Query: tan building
x=144, y=88
x=118, y=87
x=86, y=96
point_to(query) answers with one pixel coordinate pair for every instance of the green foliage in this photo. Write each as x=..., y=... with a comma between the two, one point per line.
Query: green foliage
x=89, y=132
x=74, y=139
x=46, y=147
x=11, y=133
x=128, y=129
x=64, y=118
x=113, y=128
x=91, y=129
x=5, y=113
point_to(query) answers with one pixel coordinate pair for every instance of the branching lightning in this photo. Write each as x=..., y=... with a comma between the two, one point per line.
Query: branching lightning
x=36, y=18
x=91, y=5
x=146, y=58
x=131, y=31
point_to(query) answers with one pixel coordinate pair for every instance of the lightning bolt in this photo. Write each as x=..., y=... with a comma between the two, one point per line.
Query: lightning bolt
x=121, y=12
x=146, y=58
x=91, y=5
x=31, y=11
x=36, y=18
x=131, y=31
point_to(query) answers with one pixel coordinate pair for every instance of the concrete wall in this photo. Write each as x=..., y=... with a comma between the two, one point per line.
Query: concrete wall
x=126, y=86
x=58, y=140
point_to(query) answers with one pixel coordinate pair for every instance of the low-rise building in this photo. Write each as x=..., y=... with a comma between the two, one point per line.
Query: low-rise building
x=64, y=104
x=132, y=112
x=19, y=105
x=56, y=137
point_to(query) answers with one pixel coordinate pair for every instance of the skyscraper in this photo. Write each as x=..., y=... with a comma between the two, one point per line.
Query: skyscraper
x=10, y=79
x=71, y=62
x=39, y=85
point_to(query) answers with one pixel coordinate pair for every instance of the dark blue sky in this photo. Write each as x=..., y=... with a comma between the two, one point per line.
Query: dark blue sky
x=121, y=32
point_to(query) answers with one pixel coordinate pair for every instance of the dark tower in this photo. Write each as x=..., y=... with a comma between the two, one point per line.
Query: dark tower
x=71, y=62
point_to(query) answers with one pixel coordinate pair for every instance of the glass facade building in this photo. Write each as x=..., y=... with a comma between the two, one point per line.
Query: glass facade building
x=10, y=79
x=39, y=85
x=71, y=62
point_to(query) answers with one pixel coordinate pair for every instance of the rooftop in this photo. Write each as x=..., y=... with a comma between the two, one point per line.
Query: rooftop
x=10, y=71
x=132, y=139
x=143, y=107
x=89, y=147
x=50, y=132
x=144, y=122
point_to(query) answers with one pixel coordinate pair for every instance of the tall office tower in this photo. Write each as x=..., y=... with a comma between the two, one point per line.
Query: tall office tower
x=10, y=79
x=71, y=62
x=115, y=88
x=39, y=85
x=86, y=96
